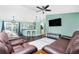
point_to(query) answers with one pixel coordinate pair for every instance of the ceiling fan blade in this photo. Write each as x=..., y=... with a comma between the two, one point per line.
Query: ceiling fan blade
x=38, y=11
x=39, y=7
x=43, y=7
x=46, y=7
x=47, y=10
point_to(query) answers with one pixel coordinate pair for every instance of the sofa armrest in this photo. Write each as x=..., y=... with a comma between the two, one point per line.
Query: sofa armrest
x=51, y=50
x=66, y=37
x=18, y=42
x=14, y=38
x=28, y=50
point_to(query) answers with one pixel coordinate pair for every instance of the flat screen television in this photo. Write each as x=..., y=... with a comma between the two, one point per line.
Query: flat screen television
x=55, y=22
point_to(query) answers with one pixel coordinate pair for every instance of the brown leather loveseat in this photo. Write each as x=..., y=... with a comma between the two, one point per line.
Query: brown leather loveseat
x=64, y=45
x=18, y=46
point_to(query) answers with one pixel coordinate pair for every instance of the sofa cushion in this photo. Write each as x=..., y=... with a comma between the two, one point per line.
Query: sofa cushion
x=17, y=48
x=17, y=42
x=25, y=45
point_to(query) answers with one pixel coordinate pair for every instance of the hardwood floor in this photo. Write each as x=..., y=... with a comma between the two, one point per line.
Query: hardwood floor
x=40, y=52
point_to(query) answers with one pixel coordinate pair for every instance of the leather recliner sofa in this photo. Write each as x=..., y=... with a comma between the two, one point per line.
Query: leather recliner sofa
x=18, y=46
x=64, y=45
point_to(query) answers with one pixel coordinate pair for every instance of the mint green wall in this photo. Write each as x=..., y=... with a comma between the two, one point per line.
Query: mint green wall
x=24, y=25
x=38, y=28
x=35, y=28
x=70, y=23
x=0, y=26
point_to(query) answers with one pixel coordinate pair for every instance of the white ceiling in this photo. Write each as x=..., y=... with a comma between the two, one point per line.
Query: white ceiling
x=28, y=12
x=56, y=8
x=33, y=7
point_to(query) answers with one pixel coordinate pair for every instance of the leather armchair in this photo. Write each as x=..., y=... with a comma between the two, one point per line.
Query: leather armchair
x=18, y=46
x=58, y=47
x=64, y=45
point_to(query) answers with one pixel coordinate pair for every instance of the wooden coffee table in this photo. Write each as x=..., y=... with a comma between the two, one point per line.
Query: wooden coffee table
x=40, y=52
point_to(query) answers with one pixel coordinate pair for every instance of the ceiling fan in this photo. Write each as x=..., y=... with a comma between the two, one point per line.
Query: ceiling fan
x=43, y=9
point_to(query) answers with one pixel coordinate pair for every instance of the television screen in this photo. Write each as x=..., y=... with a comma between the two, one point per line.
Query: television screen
x=55, y=22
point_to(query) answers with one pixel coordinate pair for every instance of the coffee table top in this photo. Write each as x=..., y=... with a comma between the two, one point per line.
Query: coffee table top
x=40, y=43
